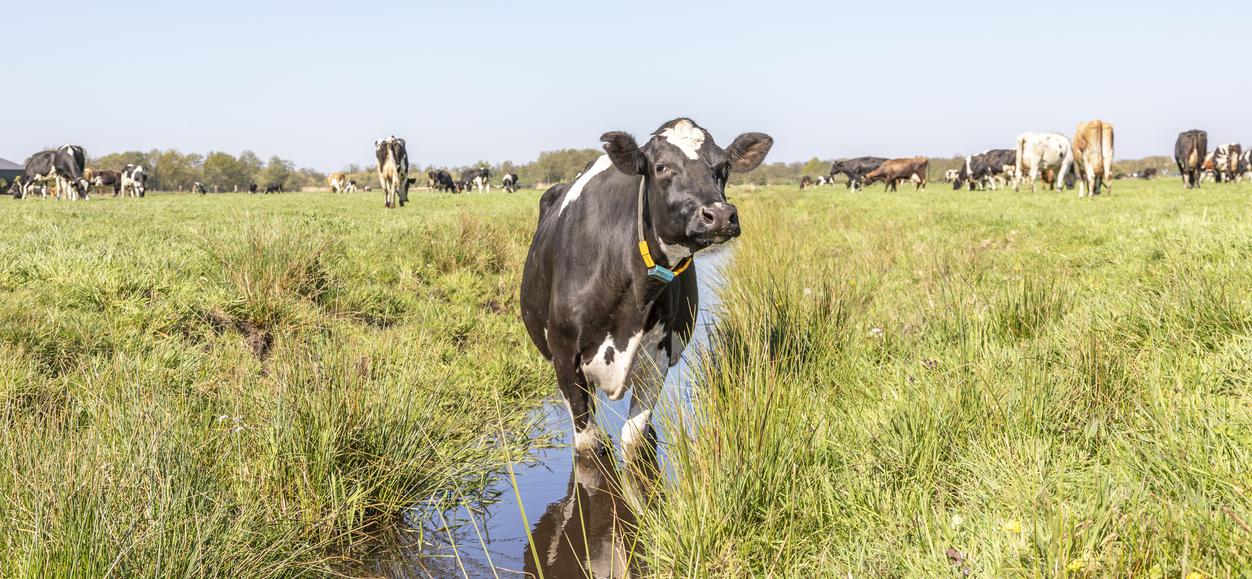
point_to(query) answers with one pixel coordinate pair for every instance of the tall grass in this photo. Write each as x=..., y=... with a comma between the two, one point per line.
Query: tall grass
x=990, y=384
x=231, y=386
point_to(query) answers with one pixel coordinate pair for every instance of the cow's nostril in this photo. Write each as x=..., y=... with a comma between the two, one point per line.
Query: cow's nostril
x=707, y=215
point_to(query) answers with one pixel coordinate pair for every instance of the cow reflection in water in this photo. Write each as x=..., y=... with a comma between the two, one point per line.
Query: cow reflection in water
x=590, y=532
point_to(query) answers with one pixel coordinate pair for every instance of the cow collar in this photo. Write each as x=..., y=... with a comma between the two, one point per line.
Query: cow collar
x=656, y=272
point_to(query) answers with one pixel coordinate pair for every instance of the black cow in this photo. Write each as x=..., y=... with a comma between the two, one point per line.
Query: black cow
x=252, y=188
x=111, y=179
x=1189, y=152
x=60, y=166
x=984, y=168
x=442, y=181
x=805, y=181
x=607, y=292
x=274, y=188
x=509, y=182
x=856, y=169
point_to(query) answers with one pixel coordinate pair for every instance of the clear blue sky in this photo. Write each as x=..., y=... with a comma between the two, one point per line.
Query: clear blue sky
x=317, y=82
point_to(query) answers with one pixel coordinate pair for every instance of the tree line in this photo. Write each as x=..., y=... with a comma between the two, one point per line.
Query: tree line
x=173, y=170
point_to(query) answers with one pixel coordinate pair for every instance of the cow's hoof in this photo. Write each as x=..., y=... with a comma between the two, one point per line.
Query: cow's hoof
x=588, y=443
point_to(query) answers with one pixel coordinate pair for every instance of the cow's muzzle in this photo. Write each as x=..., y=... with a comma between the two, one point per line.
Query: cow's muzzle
x=714, y=223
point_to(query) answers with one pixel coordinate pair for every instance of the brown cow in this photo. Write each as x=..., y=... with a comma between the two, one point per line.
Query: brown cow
x=893, y=171
x=1093, y=156
x=338, y=182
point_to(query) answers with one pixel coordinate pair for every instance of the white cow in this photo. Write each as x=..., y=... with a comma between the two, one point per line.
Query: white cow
x=1042, y=152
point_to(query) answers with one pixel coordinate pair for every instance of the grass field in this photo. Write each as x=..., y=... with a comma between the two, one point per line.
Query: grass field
x=998, y=384
x=903, y=385
x=250, y=386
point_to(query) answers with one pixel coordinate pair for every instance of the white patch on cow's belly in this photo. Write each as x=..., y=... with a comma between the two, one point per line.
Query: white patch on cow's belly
x=686, y=136
x=615, y=377
x=601, y=165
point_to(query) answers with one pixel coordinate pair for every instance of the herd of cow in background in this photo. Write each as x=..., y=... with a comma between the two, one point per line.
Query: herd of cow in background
x=1050, y=157
x=1084, y=161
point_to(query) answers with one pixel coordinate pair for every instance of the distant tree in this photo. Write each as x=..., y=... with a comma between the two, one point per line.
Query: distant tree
x=815, y=166
x=276, y=172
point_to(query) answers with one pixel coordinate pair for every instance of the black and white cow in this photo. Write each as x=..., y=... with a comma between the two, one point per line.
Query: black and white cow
x=510, y=182
x=61, y=167
x=442, y=181
x=988, y=169
x=823, y=180
x=611, y=310
x=1190, y=149
x=393, y=170
x=110, y=179
x=856, y=169
x=134, y=181
x=477, y=179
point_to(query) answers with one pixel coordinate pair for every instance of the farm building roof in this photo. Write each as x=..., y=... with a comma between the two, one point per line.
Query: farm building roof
x=7, y=165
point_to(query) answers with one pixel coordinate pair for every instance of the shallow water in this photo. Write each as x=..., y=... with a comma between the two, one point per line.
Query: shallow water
x=573, y=508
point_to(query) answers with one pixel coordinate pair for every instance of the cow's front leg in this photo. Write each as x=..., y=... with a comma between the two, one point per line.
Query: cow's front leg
x=580, y=402
x=648, y=378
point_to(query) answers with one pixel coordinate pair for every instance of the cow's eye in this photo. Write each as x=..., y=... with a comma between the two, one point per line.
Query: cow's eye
x=662, y=169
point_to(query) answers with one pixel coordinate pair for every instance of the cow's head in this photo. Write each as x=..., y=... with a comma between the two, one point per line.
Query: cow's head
x=963, y=175
x=686, y=173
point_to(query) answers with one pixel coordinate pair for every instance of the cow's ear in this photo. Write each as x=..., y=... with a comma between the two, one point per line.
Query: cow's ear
x=624, y=153
x=748, y=151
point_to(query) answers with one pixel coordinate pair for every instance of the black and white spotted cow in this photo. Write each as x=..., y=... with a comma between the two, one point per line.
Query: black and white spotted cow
x=824, y=180
x=134, y=181
x=989, y=169
x=62, y=168
x=198, y=187
x=393, y=170
x=442, y=181
x=856, y=169
x=509, y=182
x=608, y=294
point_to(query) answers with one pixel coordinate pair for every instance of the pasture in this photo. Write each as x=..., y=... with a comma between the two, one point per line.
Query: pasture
x=900, y=384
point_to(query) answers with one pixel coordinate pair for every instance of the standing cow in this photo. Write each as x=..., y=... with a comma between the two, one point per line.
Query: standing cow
x=393, y=170
x=509, y=182
x=59, y=166
x=1190, y=149
x=855, y=169
x=1042, y=153
x=893, y=171
x=987, y=169
x=1226, y=162
x=134, y=181
x=1093, y=156
x=608, y=295
x=338, y=182
x=110, y=179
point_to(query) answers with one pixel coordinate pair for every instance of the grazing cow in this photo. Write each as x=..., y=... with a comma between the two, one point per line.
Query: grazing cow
x=989, y=169
x=442, y=181
x=352, y=187
x=134, y=181
x=59, y=166
x=251, y=188
x=477, y=179
x=198, y=187
x=338, y=182
x=111, y=179
x=805, y=181
x=393, y=170
x=855, y=169
x=823, y=180
x=951, y=175
x=1148, y=173
x=1093, y=156
x=1226, y=162
x=608, y=296
x=893, y=171
x=1245, y=166
x=274, y=188
x=1190, y=150
x=510, y=182
x=1048, y=153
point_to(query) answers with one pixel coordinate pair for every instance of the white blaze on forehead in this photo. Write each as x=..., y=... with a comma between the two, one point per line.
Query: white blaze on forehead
x=686, y=136
x=601, y=165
